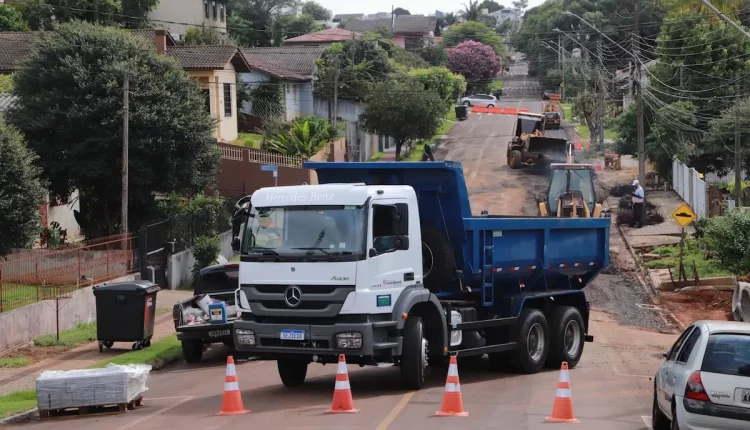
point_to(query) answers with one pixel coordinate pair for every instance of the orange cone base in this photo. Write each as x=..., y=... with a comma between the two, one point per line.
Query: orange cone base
x=562, y=420
x=242, y=412
x=342, y=411
x=451, y=414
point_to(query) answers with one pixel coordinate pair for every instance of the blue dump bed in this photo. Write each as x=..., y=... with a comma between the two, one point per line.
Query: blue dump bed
x=501, y=256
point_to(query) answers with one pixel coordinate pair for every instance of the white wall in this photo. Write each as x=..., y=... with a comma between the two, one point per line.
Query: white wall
x=63, y=215
x=298, y=96
x=180, y=265
x=175, y=14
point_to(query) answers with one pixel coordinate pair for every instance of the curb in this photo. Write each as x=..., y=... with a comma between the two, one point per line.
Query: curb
x=19, y=418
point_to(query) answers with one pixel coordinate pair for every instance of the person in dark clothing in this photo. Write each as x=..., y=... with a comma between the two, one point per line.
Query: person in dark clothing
x=638, y=196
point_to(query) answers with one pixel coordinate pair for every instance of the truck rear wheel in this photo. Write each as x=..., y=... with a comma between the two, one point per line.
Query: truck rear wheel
x=414, y=354
x=515, y=160
x=566, y=336
x=532, y=341
x=292, y=371
x=437, y=259
x=192, y=350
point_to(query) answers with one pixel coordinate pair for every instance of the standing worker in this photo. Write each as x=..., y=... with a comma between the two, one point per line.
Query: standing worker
x=638, y=196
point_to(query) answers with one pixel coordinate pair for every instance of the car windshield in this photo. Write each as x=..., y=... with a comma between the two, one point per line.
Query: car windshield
x=571, y=180
x=293, y=232
x=727, y=354
x=553, y=115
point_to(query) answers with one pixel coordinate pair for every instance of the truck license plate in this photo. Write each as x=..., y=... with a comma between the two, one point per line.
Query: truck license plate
x=745, y=396
x=292, y=334
x=217, y=333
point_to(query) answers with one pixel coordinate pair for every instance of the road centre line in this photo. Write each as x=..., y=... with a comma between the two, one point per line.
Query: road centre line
x=395, y=411
x=155, y=413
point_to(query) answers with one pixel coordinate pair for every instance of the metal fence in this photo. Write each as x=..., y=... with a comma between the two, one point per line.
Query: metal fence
x=690, y=187
x=41, y=274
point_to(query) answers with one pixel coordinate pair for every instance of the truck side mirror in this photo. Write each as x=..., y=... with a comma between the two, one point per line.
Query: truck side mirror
x=402, y=243
x=236, y=244
x=373, y=252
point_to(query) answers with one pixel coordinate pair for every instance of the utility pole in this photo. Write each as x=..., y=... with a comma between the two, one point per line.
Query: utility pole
x=562, y=93
x=639, y=102
x=602, y=88
x=737, y=149
x=125, y=125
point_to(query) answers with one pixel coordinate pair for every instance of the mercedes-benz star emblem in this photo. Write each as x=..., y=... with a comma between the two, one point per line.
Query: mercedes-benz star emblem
x=293, y=296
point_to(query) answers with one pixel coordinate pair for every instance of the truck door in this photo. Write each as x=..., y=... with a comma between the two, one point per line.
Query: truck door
x=393, y=258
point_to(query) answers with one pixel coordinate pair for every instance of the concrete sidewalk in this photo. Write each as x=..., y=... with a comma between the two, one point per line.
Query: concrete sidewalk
x=665, y=233
x=87, y=355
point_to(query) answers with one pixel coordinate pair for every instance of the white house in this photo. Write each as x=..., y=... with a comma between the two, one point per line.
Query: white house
x=292, y=67
x=179, y=15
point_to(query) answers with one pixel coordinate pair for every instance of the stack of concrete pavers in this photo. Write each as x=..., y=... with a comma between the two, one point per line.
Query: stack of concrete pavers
x=741, y=302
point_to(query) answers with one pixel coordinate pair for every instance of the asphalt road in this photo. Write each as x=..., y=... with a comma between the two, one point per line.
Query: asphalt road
x=611, y=386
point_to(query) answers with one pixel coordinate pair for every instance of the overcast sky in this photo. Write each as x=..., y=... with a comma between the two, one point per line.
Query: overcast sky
x=417, y=7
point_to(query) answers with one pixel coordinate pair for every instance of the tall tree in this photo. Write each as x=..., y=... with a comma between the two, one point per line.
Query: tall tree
x=401, y=11
x=251, y=22
x=11, y=19
x=521, y=4
x=71, y=113
x=358, y=66
x=44, y=14
x=491, y=6
x=477, y=62
x=471, y=11
x=206, y=36
x=288, y=26
x=475, y=31
x=21, y=191
x=388, y=112
x=451, y=18
x=316, y=10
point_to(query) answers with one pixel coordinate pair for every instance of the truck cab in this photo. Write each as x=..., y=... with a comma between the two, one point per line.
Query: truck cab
x=393, y=269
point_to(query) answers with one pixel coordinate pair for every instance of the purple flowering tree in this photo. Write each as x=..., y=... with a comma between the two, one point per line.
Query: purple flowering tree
x=476, y=61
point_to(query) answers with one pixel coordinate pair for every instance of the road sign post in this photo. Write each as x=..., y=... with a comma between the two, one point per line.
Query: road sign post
x=271, y=168
x=684, y=216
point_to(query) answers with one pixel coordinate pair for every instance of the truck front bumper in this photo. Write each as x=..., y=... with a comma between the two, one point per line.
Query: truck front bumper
x=318, y=339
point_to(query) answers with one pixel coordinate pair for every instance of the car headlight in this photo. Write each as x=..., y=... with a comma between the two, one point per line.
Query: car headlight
x=245, y=337
x=349, y=340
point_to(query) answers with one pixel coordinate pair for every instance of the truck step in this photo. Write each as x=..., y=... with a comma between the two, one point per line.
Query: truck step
x=473, y=325
x=384, y=324
x=486, y=349
x=384, y=345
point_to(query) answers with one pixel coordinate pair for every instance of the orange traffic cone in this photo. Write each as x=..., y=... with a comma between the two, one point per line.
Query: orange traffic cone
x=562, y=410
x=342, y=393
x=232, y=402
x=453, y=404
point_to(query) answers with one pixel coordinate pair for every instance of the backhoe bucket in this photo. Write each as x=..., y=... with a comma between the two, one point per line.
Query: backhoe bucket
x=548, y=146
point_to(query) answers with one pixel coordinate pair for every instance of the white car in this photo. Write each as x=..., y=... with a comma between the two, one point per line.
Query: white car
x=479, y=100
x=704, y=381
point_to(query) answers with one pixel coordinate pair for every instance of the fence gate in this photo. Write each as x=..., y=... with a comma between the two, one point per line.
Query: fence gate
x=154, y=253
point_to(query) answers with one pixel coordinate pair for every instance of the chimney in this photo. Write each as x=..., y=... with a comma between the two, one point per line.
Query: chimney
x=161, y=40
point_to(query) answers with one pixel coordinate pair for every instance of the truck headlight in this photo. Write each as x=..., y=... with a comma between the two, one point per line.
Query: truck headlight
x=245, y=337
x=349, y=340
x=456, y=335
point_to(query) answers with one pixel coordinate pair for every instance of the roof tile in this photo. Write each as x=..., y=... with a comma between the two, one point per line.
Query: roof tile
x=207, y=57
x=403, y=24
x=293, y=62
x=324, y=36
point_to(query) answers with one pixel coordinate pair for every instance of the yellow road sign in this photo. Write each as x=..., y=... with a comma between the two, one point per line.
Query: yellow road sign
x=684, y=215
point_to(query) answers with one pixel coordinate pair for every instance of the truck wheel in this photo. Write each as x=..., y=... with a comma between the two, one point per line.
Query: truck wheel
x=192, y=350
x=566, y=336
x=414, y=354
x=437, y=259
x=533, y=341
x=515, y=160
x=292, y=371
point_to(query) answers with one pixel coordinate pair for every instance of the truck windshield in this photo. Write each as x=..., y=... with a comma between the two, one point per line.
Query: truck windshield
x=527, y=125
x=571, y=180
x=296, y=233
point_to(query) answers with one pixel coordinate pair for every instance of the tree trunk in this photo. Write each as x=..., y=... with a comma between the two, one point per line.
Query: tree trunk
x=399, y=144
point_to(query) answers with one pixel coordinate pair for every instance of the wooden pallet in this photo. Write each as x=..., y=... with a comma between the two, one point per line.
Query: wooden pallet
x=46, y=414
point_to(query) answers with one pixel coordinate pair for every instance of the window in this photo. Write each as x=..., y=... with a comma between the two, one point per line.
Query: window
x=676, y=347
x=222, y=11
x=228, y=100
x=690, y=343
x=727, y=354
x=205, y=9
x=213, y=10
x=389, y=222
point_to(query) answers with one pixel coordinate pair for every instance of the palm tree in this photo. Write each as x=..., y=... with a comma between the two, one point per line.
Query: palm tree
x=471, y=11
x=306, y=137
x=450, y=19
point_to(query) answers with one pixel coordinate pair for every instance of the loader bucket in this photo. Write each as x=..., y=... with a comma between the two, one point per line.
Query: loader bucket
x=548, y=146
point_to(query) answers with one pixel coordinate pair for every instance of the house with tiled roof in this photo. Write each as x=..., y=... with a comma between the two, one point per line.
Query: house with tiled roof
x=215, y=67
x=409, y=31
x=325, y=37
x=292, y=68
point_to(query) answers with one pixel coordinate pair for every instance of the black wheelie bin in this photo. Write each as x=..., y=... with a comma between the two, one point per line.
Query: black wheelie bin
x=125, y=312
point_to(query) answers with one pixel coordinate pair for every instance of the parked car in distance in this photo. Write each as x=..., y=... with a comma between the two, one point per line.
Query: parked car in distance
x=546, y=94
x=479, y=100
x=704, y=381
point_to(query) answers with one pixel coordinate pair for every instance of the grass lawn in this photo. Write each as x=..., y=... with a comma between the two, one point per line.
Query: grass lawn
x=15, y=403
x=451, y=114
x=497, y=83
x=693, y=253
x=567, y=111
x=78, y=335
x=19, y=295
x=416, y=153
x=157, y=355
x=377, y=156
x=610, y=134
x=249, y=140
x=11, y=362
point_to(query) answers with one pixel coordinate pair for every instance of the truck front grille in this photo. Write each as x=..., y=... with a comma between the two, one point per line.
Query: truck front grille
x=319, y=301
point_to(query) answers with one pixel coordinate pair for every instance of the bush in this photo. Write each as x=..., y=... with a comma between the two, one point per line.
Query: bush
x=700, y=227
x=205, y=251
x=729, y=239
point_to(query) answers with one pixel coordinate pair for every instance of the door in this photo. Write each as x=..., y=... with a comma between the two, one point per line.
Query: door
x=391, y=254
x=665, y=384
